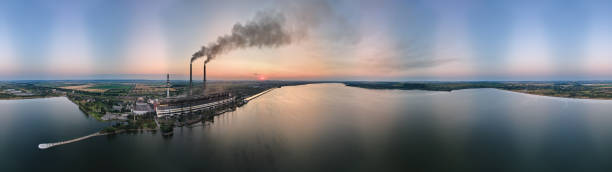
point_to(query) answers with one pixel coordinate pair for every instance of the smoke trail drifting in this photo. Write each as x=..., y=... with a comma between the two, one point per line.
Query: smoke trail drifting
x=267, y=29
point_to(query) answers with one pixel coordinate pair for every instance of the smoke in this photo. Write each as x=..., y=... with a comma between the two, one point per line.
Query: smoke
x=292, y=22
x=267, y=29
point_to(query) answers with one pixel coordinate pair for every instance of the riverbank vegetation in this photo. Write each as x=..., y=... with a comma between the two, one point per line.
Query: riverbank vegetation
x=139, y=123
x=26, y=90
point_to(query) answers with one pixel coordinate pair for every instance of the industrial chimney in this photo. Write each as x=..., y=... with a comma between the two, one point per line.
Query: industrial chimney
x=168, y=86
x=204, y=80
x=190, y=77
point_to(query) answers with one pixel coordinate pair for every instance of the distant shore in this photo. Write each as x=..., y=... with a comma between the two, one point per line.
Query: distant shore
x=29, y=97
x=565, y=89
x=585, y=98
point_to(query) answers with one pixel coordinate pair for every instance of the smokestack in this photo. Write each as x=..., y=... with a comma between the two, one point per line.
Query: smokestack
x=190, y=77
x=168, y=86
x=204, y=80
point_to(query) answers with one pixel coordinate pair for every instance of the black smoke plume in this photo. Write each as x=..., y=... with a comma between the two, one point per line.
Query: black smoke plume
x=267, y=29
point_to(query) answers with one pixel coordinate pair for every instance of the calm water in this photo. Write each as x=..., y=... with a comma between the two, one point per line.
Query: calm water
x=330, y=127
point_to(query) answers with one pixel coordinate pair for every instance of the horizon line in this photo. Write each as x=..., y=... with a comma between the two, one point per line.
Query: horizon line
x=186, y=80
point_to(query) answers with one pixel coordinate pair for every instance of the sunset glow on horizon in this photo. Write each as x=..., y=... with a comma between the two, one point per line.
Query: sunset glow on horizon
x=344, y=40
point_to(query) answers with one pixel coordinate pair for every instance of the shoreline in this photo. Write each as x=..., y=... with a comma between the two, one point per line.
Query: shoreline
x=30, y=97
x=515, y=91
x=574, y=98
x=258, y=94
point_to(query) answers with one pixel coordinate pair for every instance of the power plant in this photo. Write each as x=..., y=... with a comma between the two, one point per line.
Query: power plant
x=191, y=79
x=189, y=104
x=265, y=30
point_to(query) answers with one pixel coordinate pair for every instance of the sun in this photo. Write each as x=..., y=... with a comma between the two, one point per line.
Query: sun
x=261, y=78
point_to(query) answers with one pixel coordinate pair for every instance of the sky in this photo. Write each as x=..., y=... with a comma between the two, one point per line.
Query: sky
x=372, y=40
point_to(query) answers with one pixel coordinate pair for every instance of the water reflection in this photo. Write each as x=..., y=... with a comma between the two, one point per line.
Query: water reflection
x=330, y=127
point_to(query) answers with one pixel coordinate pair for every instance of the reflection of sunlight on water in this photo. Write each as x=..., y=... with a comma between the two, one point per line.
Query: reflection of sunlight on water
x=454, y=118
x=599, y=119
x=313, y=127
x=6, y=118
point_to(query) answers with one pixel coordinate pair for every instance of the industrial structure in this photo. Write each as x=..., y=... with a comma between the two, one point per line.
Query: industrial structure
x=168, y=86
x=204, y=79
x=141, y=107
x=190, y=76
x=170, y=107
x=193, y=104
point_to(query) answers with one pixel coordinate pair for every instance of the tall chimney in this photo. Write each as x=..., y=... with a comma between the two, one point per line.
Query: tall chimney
x=190, y=77
x=168, y=86
x=204, y=80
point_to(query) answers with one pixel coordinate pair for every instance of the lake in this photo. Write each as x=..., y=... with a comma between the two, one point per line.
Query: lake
x=329, y=127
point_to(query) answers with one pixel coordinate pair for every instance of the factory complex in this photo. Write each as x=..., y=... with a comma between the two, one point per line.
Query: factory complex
x=171, y=107
x=195, y=104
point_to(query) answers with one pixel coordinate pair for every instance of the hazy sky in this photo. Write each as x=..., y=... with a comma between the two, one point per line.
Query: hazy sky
x=342, y=40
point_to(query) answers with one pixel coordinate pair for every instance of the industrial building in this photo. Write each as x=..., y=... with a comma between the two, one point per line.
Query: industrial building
x=141, y=107
x=192, y=104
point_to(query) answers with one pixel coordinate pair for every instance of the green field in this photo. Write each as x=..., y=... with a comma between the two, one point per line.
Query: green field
x=112, y=86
